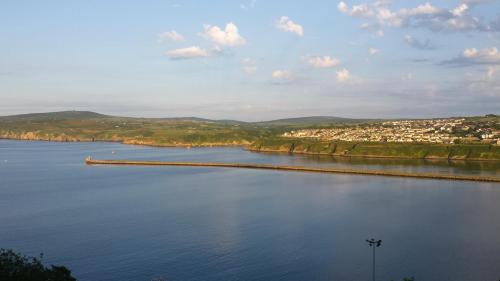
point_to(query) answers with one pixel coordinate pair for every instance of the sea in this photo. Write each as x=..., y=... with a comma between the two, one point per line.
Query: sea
x=120, y=223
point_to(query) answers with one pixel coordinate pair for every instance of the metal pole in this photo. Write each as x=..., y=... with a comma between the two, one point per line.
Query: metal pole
x=373, y=263
x=373, y=243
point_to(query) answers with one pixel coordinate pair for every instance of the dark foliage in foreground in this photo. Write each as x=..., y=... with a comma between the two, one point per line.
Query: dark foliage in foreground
x=18, y=267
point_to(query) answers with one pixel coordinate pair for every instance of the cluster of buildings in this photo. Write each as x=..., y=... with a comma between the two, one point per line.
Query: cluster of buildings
x=429, y=131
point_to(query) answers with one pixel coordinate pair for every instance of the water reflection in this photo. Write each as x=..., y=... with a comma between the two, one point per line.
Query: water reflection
x=486, y=168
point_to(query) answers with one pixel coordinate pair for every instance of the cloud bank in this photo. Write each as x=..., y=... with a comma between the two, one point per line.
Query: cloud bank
x=473, y=56
x=379, y=15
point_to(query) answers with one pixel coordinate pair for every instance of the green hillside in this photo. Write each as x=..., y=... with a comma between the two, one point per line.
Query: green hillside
x=320, y=121
x=190, y=131
x=90, y=126
x=55, y=115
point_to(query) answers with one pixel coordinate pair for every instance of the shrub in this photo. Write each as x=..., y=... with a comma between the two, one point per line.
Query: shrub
x=18, y=267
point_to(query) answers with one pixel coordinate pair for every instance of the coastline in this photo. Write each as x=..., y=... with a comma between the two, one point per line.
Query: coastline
x=248, y=146
x=126, y=142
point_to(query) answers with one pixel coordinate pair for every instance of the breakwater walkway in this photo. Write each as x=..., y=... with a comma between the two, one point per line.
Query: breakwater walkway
x=90, y=161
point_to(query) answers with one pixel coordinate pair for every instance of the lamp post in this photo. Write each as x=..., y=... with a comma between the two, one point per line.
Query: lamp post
x=374, y=244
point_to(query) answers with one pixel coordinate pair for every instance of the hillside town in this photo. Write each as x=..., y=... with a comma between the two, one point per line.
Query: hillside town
x=453, y=130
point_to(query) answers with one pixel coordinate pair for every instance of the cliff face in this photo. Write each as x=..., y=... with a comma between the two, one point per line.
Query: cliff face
x=380, y=150
x=41, y=136
x=138, y=140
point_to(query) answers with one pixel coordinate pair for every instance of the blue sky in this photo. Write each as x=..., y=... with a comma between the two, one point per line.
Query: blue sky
x=251, y=60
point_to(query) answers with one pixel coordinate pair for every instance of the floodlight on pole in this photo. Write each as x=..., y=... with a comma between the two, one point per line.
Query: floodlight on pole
x=374, y=244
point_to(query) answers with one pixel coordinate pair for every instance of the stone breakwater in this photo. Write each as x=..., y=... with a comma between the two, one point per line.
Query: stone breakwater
x=90, y=161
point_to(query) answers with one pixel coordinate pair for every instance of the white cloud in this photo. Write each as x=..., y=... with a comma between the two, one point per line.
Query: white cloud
x=229, y=36
x=422, y=16
x=343, y=75
x=460, y=10
x=485, y=55
x=473, y=56
x=342, y=7
x=373, y=51
x=282, y=75
x=249, y=66
x=323, y=62
x=422, y=9
x=286, y=24
x=172, y=35
x=470, y=53
x=187, y=53
x=361, y=11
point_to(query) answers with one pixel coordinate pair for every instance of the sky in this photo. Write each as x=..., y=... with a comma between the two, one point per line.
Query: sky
x=251, y=59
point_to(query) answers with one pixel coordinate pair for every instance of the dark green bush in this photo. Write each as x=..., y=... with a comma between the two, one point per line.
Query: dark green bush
x=18, y=267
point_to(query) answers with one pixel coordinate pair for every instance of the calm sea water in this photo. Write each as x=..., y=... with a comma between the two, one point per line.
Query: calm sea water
x=181, y=223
